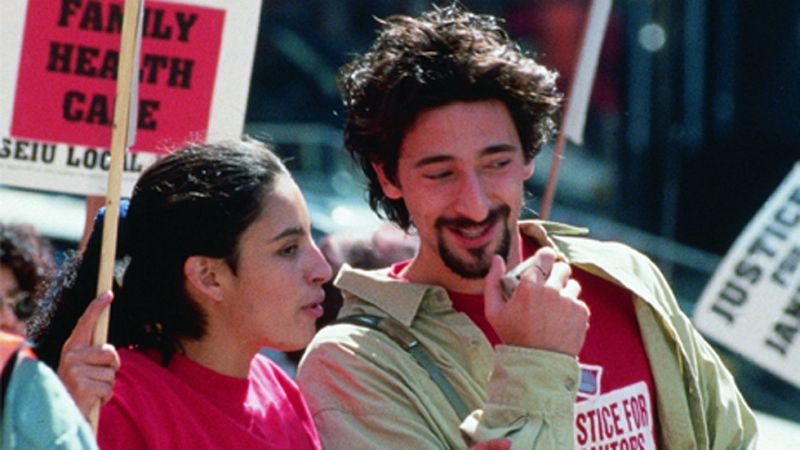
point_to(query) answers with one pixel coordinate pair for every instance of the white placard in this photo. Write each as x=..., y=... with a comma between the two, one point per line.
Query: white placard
x=620, y=419
x=752, y=303
x=583, y=81
x=55, y=80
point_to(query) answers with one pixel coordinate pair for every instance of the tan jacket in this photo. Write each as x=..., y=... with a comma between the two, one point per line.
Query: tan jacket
x=364, y=391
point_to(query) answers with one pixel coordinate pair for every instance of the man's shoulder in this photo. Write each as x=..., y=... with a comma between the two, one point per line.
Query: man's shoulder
x=376, y=292
x=358, y=347
x=349, y=337
x=577, y=244
x=358, y=354
x=590, y=248
x=616, y=262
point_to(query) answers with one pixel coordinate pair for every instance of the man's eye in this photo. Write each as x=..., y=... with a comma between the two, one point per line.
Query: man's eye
x=499, y=164
x=438, y=175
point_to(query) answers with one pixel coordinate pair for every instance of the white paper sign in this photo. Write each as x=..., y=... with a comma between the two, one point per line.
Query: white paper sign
x=581, y=89
x=620, y=419
x=58, y=79
x=752, y=303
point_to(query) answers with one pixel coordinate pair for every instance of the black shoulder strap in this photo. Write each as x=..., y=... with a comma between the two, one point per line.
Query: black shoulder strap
x=8, y=369
x=399, y=334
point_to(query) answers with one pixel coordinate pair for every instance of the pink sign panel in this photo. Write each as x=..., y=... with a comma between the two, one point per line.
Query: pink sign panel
x=68, y=64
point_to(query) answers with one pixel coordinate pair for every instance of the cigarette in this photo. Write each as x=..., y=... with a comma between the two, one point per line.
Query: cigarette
x=510, y=280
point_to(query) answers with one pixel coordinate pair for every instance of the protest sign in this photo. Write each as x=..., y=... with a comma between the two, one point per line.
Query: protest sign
x=58, y=79
x=752, y=303
x=574, y=119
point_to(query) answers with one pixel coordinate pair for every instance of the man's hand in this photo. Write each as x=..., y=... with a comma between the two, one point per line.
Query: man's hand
x=544, y=312
x=88, y=371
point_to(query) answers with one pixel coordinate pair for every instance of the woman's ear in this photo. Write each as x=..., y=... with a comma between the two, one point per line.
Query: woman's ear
x=390, y=189
x=205, y=276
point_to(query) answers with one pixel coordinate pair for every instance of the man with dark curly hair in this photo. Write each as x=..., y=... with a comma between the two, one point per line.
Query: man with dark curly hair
x=445, y=116
x=26, y=262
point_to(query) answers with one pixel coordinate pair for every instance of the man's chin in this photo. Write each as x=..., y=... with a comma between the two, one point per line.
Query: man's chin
x=472, y=263
x=470, y=266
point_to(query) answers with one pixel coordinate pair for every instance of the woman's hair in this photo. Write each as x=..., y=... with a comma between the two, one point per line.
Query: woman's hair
x=446, y=55
x=30, y=258
x=195, y=201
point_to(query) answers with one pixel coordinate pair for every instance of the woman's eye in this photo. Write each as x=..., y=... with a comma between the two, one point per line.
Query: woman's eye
x=288, y=250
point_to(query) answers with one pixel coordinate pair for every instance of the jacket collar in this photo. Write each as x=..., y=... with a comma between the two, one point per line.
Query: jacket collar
x=612, y=261
x=401, y=299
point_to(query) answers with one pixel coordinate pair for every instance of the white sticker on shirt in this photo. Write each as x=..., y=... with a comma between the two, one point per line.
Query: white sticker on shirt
x=619, y=420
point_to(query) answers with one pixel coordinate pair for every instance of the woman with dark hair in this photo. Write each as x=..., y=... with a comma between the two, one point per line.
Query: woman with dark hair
x=26, y=263
x=219, y=264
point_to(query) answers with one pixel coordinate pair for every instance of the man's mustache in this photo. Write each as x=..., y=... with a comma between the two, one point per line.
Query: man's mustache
x=502, y=211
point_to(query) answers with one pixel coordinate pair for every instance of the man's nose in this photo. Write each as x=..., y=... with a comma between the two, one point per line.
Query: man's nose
x=473, y=200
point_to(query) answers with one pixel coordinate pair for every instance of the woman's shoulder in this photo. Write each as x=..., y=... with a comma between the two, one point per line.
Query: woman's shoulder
x=267, y=374
x=277, y=391
x=141, y=377
x=264, y=367
x=139, y=361
x=140, y=392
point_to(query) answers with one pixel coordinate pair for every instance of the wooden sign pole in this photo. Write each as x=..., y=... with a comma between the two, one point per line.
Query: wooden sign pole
x=580, y=90
x=127, y=75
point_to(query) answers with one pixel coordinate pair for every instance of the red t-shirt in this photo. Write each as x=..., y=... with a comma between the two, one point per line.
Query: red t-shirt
x=616, y=396
x=187, y=405
x=615, y=404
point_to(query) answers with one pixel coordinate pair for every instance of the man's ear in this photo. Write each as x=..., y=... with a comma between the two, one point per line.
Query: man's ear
x=390, y=189
x=204, y=276
x=529, y=168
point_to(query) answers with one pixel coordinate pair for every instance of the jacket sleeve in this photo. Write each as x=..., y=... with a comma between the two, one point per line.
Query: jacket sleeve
x=360, y=401
x=531, y=398
x=728, y=420
x=40, y=414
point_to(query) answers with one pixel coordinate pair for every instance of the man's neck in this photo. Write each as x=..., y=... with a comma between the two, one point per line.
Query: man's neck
x=440, y=275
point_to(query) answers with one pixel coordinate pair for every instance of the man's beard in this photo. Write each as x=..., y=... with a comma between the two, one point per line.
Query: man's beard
x=478, y=265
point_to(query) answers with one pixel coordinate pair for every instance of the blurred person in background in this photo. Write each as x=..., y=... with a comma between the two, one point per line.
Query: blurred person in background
x=37, y=411
x=26, y=263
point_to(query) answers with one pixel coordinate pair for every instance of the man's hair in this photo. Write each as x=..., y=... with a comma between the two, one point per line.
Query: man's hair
x=444, y=56
x=196, y=201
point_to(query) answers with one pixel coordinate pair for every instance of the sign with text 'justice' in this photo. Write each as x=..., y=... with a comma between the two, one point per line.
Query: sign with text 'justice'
x=58, y=84
x=752, y=303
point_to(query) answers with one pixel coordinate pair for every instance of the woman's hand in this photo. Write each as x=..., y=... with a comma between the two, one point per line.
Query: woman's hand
x=87, y=370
